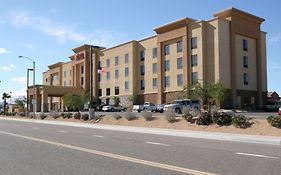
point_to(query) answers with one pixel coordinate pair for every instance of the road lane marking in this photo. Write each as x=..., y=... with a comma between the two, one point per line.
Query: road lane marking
x=114, y=156
x=97, y=136
x=62, y=131
x=257, y=155
x=155, y=143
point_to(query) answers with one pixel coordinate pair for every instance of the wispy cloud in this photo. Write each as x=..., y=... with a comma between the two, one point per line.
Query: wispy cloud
x=21, y=80
x=18, y=93
x=29, y=46
x=7, y=67
x=3, y=50
x=62, y=32
x=275, y=39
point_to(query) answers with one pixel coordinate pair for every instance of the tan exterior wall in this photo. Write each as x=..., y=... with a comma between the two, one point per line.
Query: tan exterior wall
x=263, y=62
x=67, y=74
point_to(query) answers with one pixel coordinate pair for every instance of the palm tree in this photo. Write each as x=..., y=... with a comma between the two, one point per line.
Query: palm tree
x=5, y=97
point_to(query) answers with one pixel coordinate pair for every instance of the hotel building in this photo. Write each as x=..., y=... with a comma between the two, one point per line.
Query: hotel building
x=230, y=48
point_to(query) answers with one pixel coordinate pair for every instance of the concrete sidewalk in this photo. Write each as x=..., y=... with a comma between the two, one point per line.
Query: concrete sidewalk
x=168, y=132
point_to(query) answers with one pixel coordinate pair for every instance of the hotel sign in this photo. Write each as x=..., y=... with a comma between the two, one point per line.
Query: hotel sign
x=79, y=56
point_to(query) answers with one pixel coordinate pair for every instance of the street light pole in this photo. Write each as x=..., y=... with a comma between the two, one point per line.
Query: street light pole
x=34, y=90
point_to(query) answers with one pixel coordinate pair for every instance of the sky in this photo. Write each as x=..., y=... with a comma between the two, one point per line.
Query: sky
x=46, y=31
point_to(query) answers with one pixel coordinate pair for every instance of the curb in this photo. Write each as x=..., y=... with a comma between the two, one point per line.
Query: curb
x=271, y=140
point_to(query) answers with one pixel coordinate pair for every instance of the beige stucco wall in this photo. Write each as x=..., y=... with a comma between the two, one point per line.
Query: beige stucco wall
x=263, y=62
x=252, y=62
x=46, y=76
x=67, y=74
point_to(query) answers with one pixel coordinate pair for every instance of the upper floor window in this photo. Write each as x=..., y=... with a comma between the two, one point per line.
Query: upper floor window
x=116, y=90
x=167, y=81
x=107, y=91
x=126, y=71
x=167, y=65
x=142, y=84
x=100, y=92
x=193, y=42
x=64, y=83
x=142, y=70
x=245, y=45
x=82, y=69
x=154, y=68
x=107, y=62
x=116, y=74
x=194, y=77
x=154, y=52
x=108, y=75
x=126, y=85
x=126, y=58
x=64, y=74
x=116, y=60
x=82, y=81
x=179, y=46
x=154, y=83
x=167, y=49
x=179, y=63
x=99, y=77
x=245, y=61
x=179, y=80
x=194, y=60
x=246, y=78
x=69, y=72
x=142, y=55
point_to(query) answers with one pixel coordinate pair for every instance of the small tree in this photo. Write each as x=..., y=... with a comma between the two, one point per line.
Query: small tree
x=20, y=102
x=132, y=98
x=74, y=102
x=5, y=96
x=116, y=101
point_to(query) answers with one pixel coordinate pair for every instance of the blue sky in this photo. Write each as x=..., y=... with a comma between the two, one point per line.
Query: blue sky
x=46, y=31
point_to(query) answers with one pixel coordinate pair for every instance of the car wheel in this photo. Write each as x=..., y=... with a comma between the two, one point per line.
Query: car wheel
x=177, y=110
x=112, y=110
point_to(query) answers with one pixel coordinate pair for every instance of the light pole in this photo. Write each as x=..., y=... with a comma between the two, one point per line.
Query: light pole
x=27, y=85
x=34, y=99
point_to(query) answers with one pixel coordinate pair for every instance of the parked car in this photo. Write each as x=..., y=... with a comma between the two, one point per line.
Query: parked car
x=99, y=107
x=146, y=106
x=113, y=108
x=279, y=111
x=272, y=106
x=160, y=108
x=178, y=105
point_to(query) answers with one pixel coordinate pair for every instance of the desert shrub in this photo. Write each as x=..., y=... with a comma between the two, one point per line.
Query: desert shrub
x=42, y=116
x=129, y=116
x=240, y=121
x=68, y=115
x=274, y=121
x=77, y=115
x=204, y=119
x=63, y=115
x=85, y=117
x=170, y=116
x=55, y=115
x=188, y=114
x=116, y=116
x=147, y=115
x=221, y=119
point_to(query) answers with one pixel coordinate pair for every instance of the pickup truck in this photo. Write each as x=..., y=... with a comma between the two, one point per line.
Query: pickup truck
x=146, y=106
x=178, y=105
x=112, y=108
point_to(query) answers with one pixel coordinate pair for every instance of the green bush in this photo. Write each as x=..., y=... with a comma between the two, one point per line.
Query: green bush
x=204, y=119
x=116, y=116
x=85, y=117
x=170, y=116
x=147, y=115
x=222, y=119
x=240, y=121
x=68, y=115
x=186, y=114
x=77, y=115
x=63, y=115
x=274, y=121
x=130, y=116
x=42, y=116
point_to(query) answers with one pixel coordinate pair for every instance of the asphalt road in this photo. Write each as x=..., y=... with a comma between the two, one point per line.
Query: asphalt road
x=42, y=149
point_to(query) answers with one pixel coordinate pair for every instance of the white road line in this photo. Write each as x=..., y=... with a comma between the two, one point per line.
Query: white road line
x=114, y=156
x=257, y=155
x=155, y=143
x=62, y=131
x=97, y=136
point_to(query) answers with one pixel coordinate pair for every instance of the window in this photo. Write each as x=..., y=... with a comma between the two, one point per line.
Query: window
x=46, y=79
x=179, y=80
x=154, y=52
x=69, y=82
x=126, y=72
x=126, y=58
x=245, y=61
x=246, y=78
x=142, y=70
x=194, y=77
x=64, y=74
x=64, y=83
x=116, y=90
x=99, y=77
x=142, y=55
x=82, y=69
x=82, y=81
x=194, y=60
x=116, y=74
x=245, y=45
x=116, y=60
x=179, y=46
x=166, y=49
x=126, y=85
x=142, y=84
x=193, y=42
x=154, y=83
x=167, y=65
x=167, y=81
x=107, y=62
x=69, y=72
x=99, y=64
x=100, y=92
x=107, y=91
x=179, y=63
x=154, y=68
x=108, y=75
